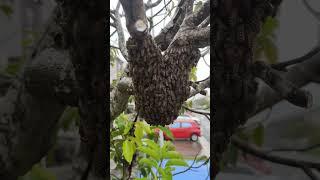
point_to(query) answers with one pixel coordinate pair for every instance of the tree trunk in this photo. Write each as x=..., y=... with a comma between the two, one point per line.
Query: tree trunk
x=235, y=25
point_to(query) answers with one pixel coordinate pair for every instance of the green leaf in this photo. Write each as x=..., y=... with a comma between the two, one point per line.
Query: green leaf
x=193, y=74
x=39, y=173
x=168, y=146
x=171, y=155
x=270, y=51
x=197, y=6
x=146, y=127
x=138, y=141
x=6, y=9
x=143, y=171
x=201, y=158
x=121, y=121
x=176, y=162
x=14, y=67
x=113, y=56
x=149, y=162
x=69, y=115
x=138, y=132
x=269, y=26
x=152, y=144
x=127, y=128
x=140, y=178
x=165, y=174
x=128, y=150
x=166, y=131
x=258, y=135
x=154, y=154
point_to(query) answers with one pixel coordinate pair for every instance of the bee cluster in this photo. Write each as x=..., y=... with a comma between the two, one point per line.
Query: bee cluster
x=160, y=82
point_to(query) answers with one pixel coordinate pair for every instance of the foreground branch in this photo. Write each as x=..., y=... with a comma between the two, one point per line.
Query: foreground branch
x=285, y=88
x=282, y=65
x=293, y=162
x=166, y=35
x=299, y=75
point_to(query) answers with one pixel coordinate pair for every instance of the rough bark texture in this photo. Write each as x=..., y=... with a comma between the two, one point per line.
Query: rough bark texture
x=31, y=108
x=84, y=34
x=235, y=25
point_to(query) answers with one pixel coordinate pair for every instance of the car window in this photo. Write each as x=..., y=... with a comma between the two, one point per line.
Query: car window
x=185, y=125
x=175, y=125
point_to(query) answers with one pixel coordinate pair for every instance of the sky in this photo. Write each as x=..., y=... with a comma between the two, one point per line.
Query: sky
x=203, y=70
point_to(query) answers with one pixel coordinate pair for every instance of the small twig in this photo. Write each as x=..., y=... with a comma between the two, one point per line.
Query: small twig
x=150, y=5
x=315, y=13
x=261, y=153
x=151, y=27
x=194, y=161
x=282, y=66
x=161, y=9
x=303, y=149
x=114, y=32
x=205, y=62
x=131, y=132
x=197, y=82
x=196, y=111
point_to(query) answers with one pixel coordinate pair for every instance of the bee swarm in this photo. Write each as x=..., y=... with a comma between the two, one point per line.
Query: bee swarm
x=160, y=82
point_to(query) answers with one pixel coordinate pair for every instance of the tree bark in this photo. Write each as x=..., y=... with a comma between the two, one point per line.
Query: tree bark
x=235, y=25
x=84, y=31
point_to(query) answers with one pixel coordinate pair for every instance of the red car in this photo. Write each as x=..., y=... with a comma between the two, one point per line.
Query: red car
x=184, y=129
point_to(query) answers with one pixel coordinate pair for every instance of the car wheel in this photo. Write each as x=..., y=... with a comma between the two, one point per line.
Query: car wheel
x=194, y=137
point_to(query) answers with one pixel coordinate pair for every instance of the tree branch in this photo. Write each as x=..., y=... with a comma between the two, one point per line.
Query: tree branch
x=166, y=35
x=197, y=111
x=150, y=4
x=285, y=88
x=137, y=23
x=309, y=172
x=282, y=65
x=300, y=74
x=119, y=29
x=196, y=18
x=200, y=86
x=261, y=153
x=297, y=149
x=119, y=97
x=315, y=13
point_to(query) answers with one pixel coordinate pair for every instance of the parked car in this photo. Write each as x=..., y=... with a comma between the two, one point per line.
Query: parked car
x=184, y=129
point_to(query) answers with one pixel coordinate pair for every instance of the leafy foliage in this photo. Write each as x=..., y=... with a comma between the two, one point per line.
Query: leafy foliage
x=113, y=56
x=142, y=143
x=6, y=9
x=70, y=115
x=197, y=6
x=14, y=67
x=38, y=173
x=193, y=74
x=265, y=41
